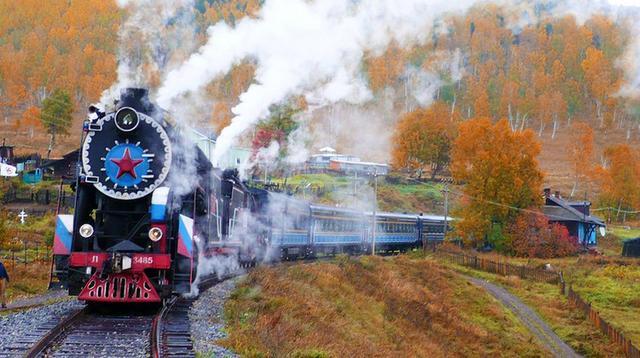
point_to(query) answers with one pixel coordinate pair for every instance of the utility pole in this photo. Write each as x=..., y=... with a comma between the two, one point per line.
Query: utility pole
x=375, y=206
x=584, y=220
x=446, y=209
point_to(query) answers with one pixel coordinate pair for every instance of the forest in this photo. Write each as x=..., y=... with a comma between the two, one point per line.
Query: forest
x=558, y=82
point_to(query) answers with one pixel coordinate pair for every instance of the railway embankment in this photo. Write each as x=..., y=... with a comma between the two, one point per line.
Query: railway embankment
x=369, y=306
x=207, y=320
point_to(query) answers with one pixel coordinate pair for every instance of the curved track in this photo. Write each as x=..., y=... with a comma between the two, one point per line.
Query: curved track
x=86, y=334
x=171, y=329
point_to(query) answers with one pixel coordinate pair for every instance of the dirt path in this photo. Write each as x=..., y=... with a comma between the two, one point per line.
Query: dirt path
x=531, y=320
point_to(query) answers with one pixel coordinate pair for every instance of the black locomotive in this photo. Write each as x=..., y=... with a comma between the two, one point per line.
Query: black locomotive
x=133, y=237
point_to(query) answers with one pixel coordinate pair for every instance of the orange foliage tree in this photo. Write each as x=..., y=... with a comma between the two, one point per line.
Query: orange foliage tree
x=531, y=235
x=499, y=169
x=620, y=179
x=580, y=150
x=424, y=137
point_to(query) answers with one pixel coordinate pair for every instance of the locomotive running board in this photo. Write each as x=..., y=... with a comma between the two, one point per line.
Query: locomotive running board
x=119, y=288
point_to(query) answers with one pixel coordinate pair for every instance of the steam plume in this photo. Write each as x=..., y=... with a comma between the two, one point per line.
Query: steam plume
x=300, y=47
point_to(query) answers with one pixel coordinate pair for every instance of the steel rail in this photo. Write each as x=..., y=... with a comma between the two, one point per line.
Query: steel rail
x=47, y=340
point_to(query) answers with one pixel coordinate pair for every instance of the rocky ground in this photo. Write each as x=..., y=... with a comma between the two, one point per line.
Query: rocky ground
x=19, y=330
x=207, y=320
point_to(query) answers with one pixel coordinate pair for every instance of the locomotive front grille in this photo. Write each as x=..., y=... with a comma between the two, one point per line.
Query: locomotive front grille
x=124, y=287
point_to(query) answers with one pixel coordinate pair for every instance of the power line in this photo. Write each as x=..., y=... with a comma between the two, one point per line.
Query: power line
x=617, y=210
x=492, y=202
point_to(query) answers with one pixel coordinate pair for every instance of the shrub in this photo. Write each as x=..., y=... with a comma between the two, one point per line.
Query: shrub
x=531, y=235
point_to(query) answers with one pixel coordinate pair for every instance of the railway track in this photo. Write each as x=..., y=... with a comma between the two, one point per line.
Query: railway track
x=171, y=328
x=84, y=333
x=88, y=334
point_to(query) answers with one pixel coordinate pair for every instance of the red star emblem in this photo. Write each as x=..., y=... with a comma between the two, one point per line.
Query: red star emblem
x=127, y=165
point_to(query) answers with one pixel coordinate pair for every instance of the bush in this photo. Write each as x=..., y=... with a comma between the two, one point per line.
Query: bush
x=531, y=235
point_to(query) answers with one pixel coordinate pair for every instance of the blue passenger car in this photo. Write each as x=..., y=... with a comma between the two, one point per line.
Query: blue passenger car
x=336, y=230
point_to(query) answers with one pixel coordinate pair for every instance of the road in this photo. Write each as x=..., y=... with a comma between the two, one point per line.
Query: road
x=529, y=318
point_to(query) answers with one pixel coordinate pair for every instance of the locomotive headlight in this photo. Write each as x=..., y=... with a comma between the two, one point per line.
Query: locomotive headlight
x=86, y=230
x=155, y=234
x=127, y=119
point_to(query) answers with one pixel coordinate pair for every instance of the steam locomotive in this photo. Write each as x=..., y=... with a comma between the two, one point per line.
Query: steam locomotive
x=133, y=237
x=146, y=213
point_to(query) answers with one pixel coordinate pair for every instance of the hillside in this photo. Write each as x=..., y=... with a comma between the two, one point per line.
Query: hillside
x=369, y=306
x=542, y=74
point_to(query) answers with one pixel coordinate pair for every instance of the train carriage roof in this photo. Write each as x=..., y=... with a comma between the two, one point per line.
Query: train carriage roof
x=399, y=216
x=339, y=211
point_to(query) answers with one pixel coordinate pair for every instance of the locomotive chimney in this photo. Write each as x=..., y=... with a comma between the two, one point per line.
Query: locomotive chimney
x=136, y=98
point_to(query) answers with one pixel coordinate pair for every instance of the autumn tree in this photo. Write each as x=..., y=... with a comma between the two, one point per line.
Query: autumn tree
x=580, y=150
x=56, y=115
x=532, y=235
x=276, y=128
x=499, y=169
x=600, y=77
x=619, y=179
x=424, y=138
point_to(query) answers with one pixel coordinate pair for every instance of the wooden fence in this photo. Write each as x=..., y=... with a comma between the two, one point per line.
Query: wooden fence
x=501, y=268
x=506, y=269
x=592, y=315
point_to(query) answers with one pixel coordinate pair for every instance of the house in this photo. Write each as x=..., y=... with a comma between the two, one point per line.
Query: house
x=234, y=157
x=6, y=153
x=64, y=167
x=321, y=161
x=328, y=159
x=358, y=167
x=574, y=215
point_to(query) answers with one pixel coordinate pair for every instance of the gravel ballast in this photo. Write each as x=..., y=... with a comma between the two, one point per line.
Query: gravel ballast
x=207, y=319
x=25, y=327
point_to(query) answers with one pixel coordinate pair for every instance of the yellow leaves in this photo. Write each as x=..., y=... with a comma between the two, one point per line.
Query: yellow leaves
x=598, y=73
x=423, y=137
x=580, y=149
x=385, y=69
x=620, y=179
x=498, y=166
x=221, y=115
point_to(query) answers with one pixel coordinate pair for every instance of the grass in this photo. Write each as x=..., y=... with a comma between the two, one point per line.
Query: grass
x=395, y=194
x=320, y=180
x=566, y=321
x=624, y=232
x=613, y=290
x=369, y=306
x=611, y=284
x=27, y=280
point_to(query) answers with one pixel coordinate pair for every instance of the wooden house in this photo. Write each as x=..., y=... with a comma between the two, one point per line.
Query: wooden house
x=575, y=216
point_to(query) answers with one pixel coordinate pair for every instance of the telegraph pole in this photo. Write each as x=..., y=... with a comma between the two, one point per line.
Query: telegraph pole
x=584, y=221
x=375, y=206
x=446, y=209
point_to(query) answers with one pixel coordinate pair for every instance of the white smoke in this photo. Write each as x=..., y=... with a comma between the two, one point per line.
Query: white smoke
x=301, y=47
x=155, y=36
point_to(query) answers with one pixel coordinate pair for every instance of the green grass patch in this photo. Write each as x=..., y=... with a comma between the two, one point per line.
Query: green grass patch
x=624, y=232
